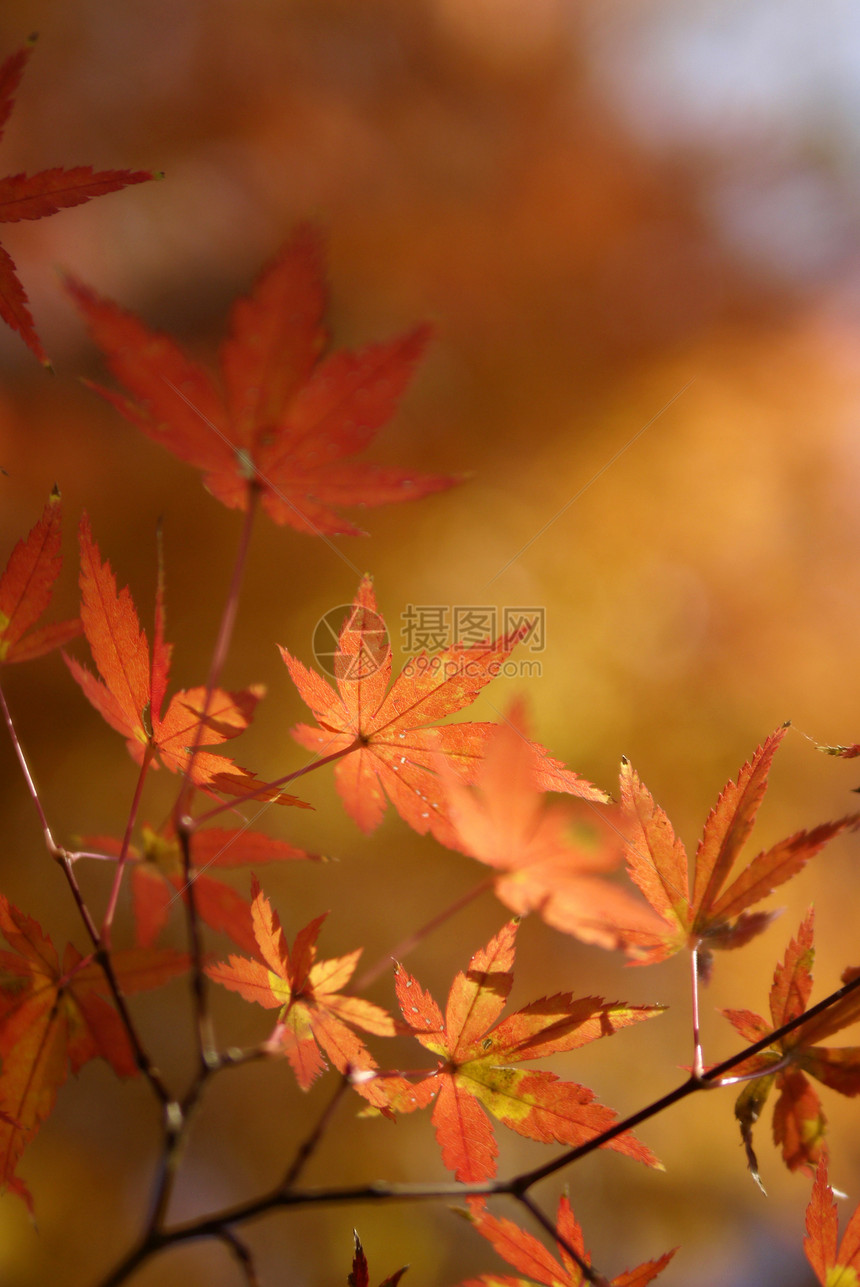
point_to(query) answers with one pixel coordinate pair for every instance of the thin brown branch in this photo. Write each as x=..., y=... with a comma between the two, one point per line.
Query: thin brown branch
x=309, y=1146
x=32, y=789
x=588, y=1271
x=517, y=1187
x=205, y=1039
x=222, y=647
x=407, y=945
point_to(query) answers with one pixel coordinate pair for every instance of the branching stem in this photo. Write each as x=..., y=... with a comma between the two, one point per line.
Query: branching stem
x=517, y=1188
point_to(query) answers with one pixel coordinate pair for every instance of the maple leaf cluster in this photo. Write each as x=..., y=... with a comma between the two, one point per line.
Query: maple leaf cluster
x=133, y=687
x=34, y=196
x=799, y=1123
x=313, y=1015
x=159, y=875
x=476, y=1073
x=54, y=1016
x=280, y=425
x=525, y=1253
x=390, y=735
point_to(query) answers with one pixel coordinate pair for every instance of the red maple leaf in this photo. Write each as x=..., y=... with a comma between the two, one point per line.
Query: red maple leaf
x=286, y=418
x=26, y=587
x=394, y=745
x=476, y=1072
x=525, y=1253
x=34, y=196
x=132, y=695
x=53, y=1017
x=710, y=916
x=822, y=1233
x=158, y=876
x=360, y=1275
x=314, y=1017
x=553, y=859
x=799, y=1123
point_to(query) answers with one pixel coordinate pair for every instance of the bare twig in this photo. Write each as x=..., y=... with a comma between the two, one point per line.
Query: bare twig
x=308, y=1146
x=243, y=1256
x=28, y=777
x=407, y=945
x=698, y=1059
x=123, y=853
x=221, y=649
x=588, y=1271
x=205, y=1039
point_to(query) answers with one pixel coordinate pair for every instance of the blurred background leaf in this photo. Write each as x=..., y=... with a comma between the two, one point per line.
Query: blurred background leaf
x=634, y=229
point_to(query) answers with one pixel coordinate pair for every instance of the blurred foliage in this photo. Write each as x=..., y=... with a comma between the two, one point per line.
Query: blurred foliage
x=662, y=432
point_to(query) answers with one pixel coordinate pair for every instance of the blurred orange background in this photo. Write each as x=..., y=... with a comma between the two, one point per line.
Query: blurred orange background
x=634, y=229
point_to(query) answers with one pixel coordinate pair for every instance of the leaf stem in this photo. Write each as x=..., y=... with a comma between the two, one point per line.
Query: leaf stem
x=407, y=945
x=709, y=1080
x=123, y=853
x=28, y=777
x=308, y=1146
x=193, y=823
x=222, y=645
x=588, y=1271
x=698, y=1059
x=243, y=1256
x=516, y=1188
x=100, y=952
x=205, y=1039
x=142, y=1059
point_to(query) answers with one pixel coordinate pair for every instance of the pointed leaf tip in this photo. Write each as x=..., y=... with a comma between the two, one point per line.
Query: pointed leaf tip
x=290, y=418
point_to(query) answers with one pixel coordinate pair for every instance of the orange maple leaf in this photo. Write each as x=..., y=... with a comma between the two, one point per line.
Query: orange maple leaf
x=54, y=1016
x=799, y=1123
x=475, y=1071
x=132, y=695
x=360, y=1275
x=393, y=746
x=158, y=876
x=286, y=419
x=709, y=916
x=34, y=196
x=552, y=859
x=314, y=1015
x=26, y=587
x=525, y=1253
x=833, y=1267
